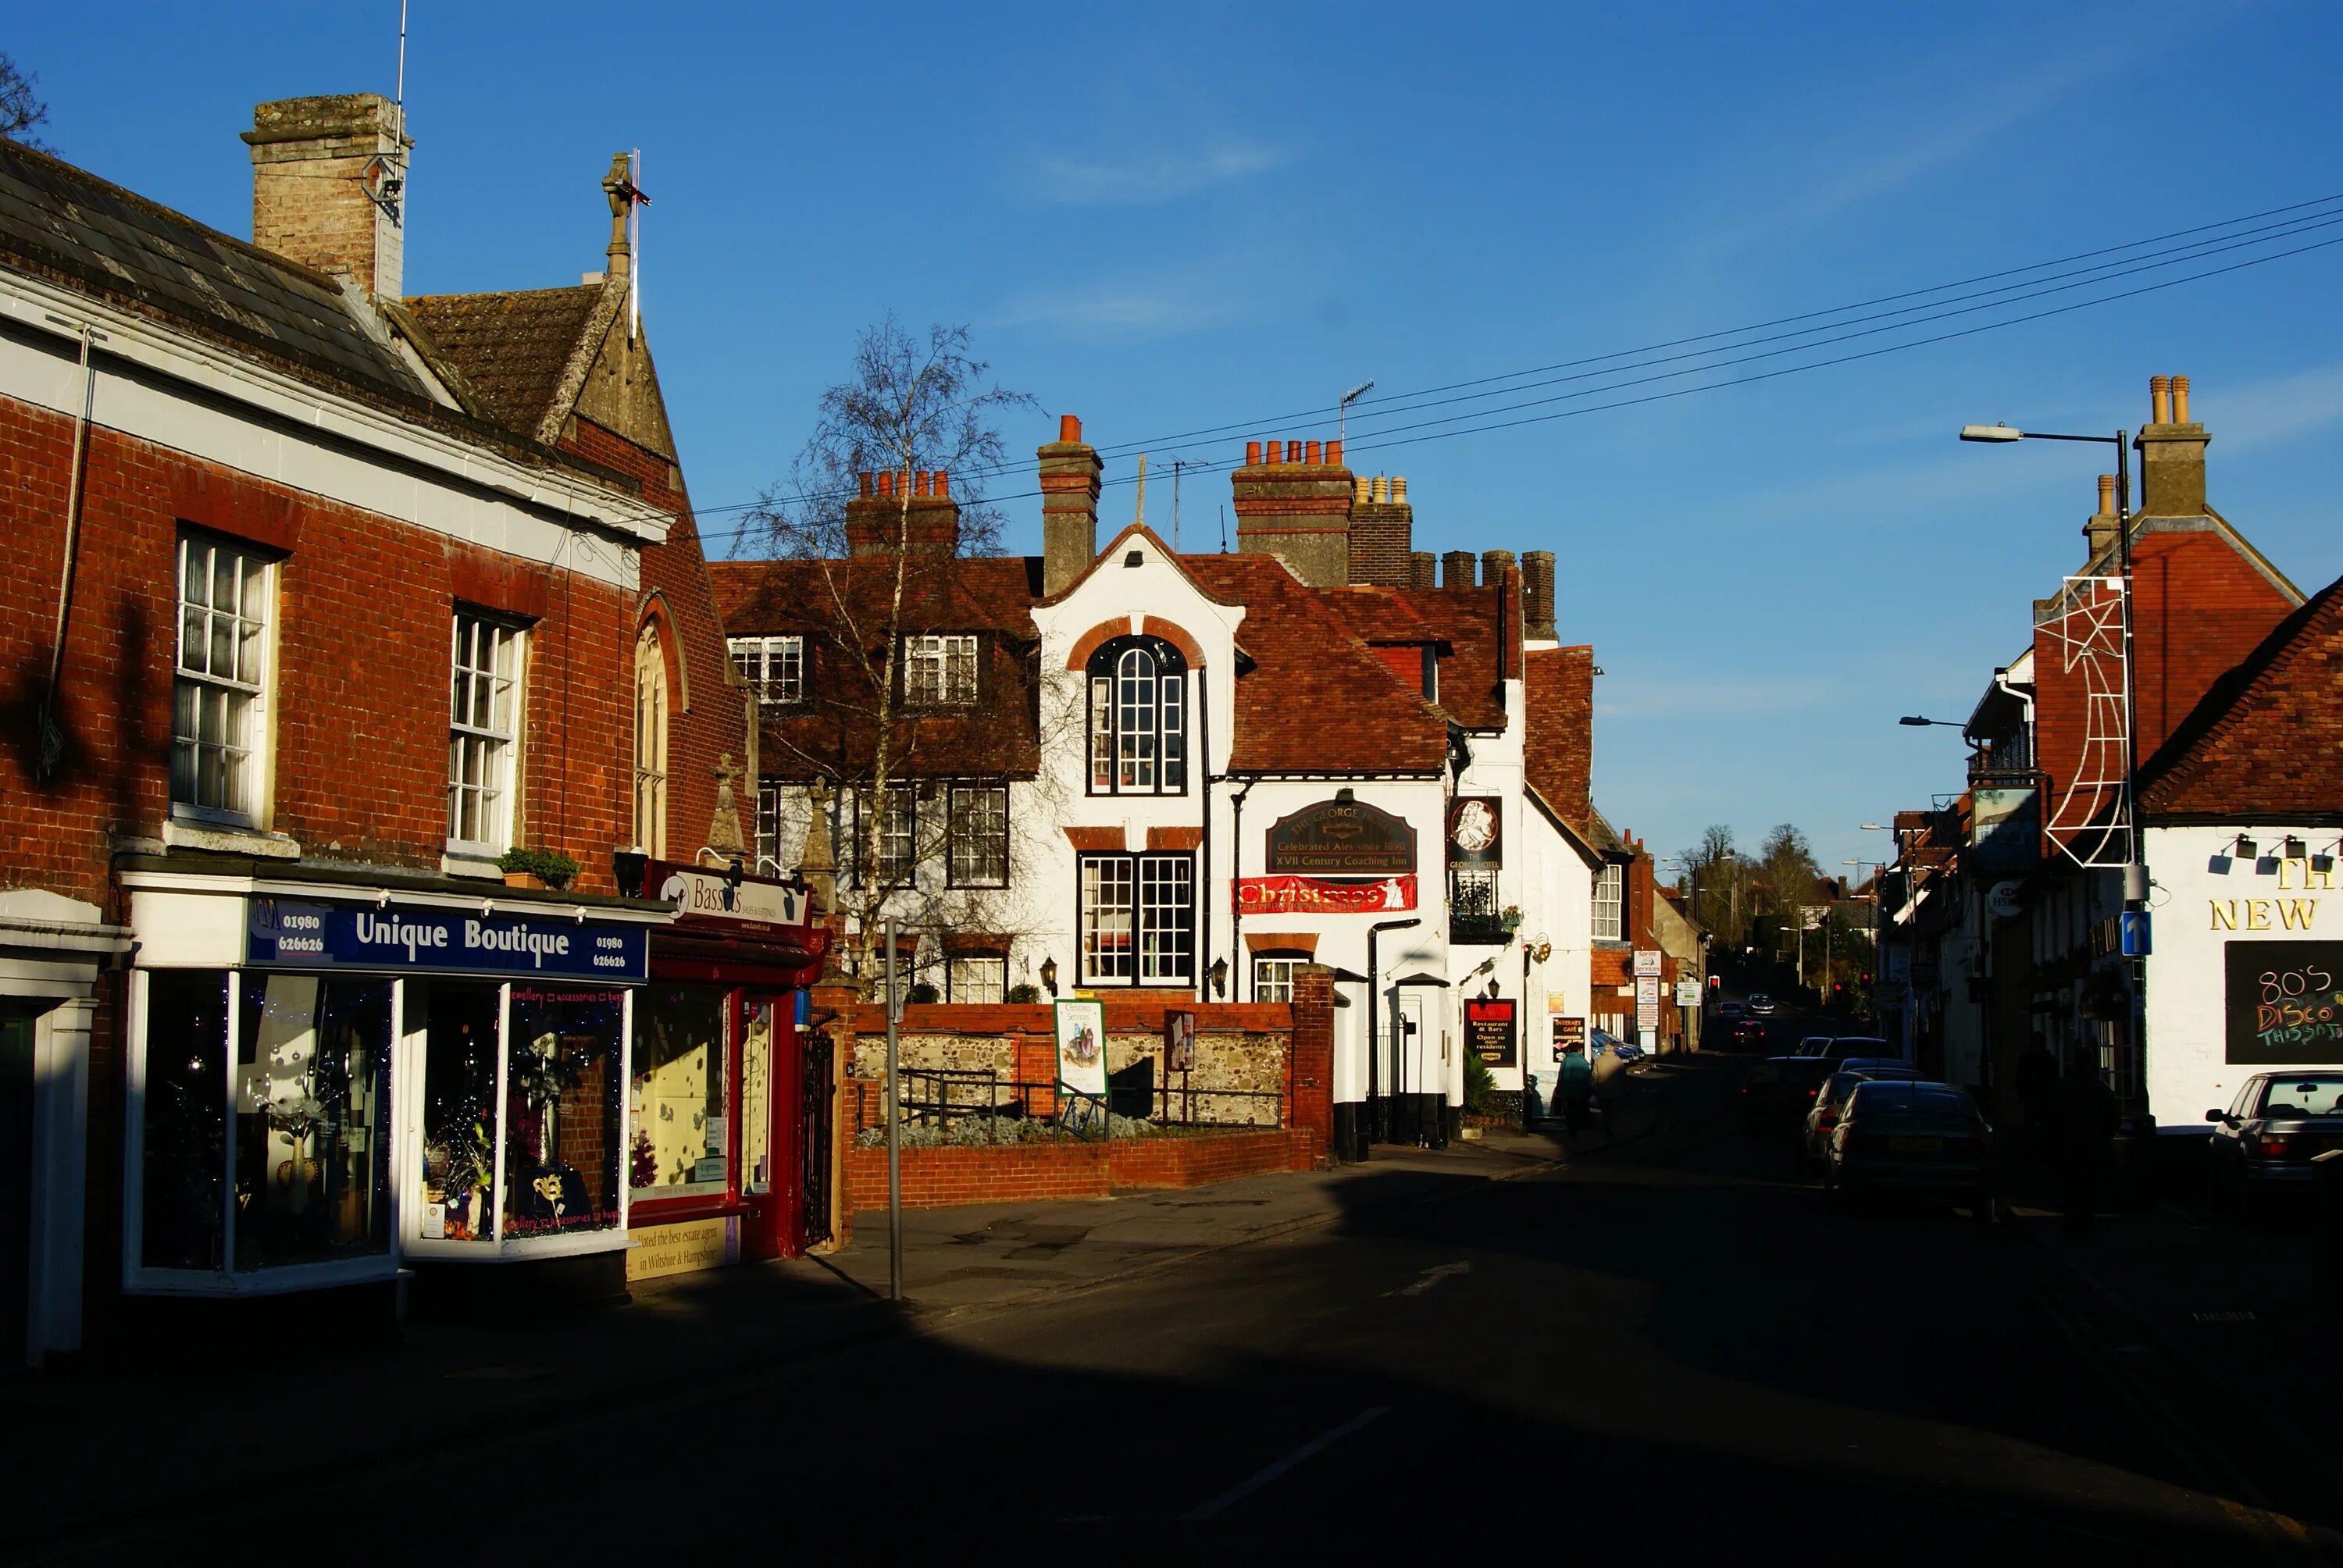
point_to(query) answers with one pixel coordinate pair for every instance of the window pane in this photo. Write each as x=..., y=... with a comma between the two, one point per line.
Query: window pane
x=459, y=1108
x=1106, y=914
x=757, y=1098
x=1175, y=769
x=313, y=1120
x=562, y=1110
x=1167, y=919
x=185, y=1149
x=980, y=978
x=1272, y=979
x=1101, y=734
x=678, y=1095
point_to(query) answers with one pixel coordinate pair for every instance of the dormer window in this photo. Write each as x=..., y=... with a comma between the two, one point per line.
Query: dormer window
x=939, y=671
x=1138, y=717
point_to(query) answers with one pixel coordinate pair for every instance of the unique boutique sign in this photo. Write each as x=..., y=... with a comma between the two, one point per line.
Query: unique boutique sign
x=1323, y=895
x=1489, y=1029
x=284, y=933
x=1340, y=837
x=2285, y=1003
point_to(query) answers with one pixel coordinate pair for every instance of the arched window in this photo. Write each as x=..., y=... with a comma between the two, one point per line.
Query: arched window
x=1138, y=717
x=650, y=742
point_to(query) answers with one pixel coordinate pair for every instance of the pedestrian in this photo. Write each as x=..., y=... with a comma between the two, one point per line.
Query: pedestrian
x=1573, y=1086
x=2085, y=1134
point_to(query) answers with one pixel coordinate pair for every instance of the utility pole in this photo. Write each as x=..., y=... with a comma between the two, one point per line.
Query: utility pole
x=1177, y=464
x=1142, y=518
x=894, y=1138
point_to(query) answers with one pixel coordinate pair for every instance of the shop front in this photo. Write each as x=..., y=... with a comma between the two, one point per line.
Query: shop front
x=728, y=1156
x=337, y=1084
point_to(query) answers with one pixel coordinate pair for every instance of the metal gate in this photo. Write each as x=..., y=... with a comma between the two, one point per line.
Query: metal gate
x=819, y=1128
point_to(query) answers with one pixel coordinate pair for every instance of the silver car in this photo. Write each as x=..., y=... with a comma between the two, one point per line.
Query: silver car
x=2278, y=1123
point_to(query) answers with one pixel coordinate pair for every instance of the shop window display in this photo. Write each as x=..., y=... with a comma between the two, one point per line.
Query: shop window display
x=757, y=1098
x=562, y=1110
x=459, y=1108
x=312, y=1118
x=184, y=1152
x=678, y=1094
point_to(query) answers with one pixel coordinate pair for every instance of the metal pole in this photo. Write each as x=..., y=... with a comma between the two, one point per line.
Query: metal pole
x=894, y=1139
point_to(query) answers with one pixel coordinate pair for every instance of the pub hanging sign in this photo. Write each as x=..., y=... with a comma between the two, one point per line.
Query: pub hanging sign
x=1477, y=830
x=1341, y=836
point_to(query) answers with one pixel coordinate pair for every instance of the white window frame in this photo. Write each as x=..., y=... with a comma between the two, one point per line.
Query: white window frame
x=1138, y=920
x=1137, y=726
x=978, y=978
x=774, y=665
x=1609, y=902
x=498, y=747
x=940, y=670
x=241, y=696
x=1272, y=976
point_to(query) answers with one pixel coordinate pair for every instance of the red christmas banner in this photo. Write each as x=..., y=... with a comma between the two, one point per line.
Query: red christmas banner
x=1323, y=896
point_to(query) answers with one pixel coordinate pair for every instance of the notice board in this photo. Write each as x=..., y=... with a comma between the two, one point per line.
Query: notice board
x=2285, y=1003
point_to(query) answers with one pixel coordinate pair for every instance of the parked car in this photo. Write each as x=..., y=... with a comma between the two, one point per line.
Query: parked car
x=1728, y=1011
x=1910, y=1137
x=1761, y=1004
x=1748, y=1034
x=1812, y=1045
x=1777, y=1091
x=2277, y=1124
x=1841, y=1048
x=1830, y=1104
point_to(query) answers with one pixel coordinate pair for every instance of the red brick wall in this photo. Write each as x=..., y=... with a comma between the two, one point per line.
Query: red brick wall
x=1033, y=1173
x=1558, y=739
x=360, y=753
x=714, y=721
x=2198, y=608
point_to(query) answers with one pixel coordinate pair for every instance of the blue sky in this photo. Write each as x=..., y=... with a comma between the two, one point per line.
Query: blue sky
x=1170, y=219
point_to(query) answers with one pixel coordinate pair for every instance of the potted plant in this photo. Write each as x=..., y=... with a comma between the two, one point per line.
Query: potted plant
x=537, y=869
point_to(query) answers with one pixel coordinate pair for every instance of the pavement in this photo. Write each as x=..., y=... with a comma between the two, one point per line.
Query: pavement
x=1654, y=1343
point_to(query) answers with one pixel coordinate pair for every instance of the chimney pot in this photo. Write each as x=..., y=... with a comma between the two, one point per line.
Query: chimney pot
x=2159, y=399
x=1069, y=428
x=1293, y=452
x=1382, y=491
x=2180, y=400
x=919, y=482
x=2107, y=495
x=1314, y=454
x=1334, y=453
x=887, y=482
x=1253, y=453
x=870, y=482
x=1276, y=451
x=1399, y=489
x=1360, y=493
x=943, y=483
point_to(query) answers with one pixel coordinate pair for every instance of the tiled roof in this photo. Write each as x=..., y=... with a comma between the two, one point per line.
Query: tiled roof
x=66, y=224
x=512, y=348
x=2268, y=740
x=1315, y=700
x=1467, y=621
x=832, y=732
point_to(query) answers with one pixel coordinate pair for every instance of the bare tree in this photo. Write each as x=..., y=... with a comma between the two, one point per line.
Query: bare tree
x=1786, y=871
x=1715, y=870
x=20, y=109
x=863, y=575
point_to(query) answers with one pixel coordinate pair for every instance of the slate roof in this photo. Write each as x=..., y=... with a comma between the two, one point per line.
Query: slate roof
x=2267, y=741
x=514, y=347
x=66, y=224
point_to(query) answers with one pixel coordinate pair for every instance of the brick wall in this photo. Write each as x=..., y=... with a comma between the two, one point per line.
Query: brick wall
x=1558, y=738
x=1025, y=1173
x=360, y=699
x=1381, y=536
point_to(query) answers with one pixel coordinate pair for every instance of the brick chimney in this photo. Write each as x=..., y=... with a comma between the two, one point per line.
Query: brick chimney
x=2171, y=454
x=1456, y=569
x=329, y=186
x=1495, y=565
x=1070, y=499
x=1295, y=504
x=1537, y=591
x=2100, y=530
x=877, y=517
x=1423, y=569
x=1382, y=530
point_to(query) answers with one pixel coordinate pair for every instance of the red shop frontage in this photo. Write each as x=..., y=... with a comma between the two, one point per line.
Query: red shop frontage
x=729, y=1098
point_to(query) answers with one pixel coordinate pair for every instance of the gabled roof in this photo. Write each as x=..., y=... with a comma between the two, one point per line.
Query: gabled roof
x=2268, y=740
x=514, y=348
x=1468, y=622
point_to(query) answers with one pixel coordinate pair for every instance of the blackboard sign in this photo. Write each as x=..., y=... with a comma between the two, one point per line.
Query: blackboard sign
x=2285, y=1003
x=1340, y=838
x=1489, y=1029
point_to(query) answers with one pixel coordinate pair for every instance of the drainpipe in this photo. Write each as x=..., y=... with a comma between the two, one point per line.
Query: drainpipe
x=1376, y=1124
x=1204, y=871
x=49, y=742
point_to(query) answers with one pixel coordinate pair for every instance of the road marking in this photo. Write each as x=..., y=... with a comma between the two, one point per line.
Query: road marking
x=1431, y=1277
x=1311, y=1450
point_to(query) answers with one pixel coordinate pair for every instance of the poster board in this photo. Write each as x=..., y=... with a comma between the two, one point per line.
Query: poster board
x=1081, y=1046
x=2284, y=1003
x=1179, y=1040
x=1489, y=1029
x=1567, y=1032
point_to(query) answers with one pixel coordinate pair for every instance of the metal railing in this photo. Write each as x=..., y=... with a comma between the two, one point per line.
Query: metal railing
x=942, y=1097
